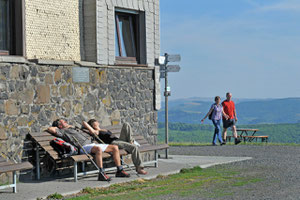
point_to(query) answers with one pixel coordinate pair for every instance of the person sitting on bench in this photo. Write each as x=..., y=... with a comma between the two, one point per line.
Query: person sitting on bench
x=125, y=141
x=62, y=129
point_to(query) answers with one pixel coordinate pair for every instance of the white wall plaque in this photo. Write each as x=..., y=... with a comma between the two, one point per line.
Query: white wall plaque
x=81, y=75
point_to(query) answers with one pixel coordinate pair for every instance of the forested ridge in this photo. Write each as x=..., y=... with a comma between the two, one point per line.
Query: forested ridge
x=202, y=133
x=250, y=111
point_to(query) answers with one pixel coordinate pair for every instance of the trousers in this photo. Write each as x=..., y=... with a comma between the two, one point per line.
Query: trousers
x=125, y=142
x=217, y=133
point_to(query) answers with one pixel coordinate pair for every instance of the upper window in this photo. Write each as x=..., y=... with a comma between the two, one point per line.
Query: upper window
x=11, y=27
x=4, y=27
x=126, y=36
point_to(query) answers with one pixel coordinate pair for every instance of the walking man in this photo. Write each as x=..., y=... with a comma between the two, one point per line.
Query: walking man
x=229, y=109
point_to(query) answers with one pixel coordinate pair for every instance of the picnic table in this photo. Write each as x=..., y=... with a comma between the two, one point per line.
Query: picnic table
x=248, y=135
x=247, y=132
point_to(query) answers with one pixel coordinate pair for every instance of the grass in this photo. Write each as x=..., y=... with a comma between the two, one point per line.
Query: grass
x=210, y=182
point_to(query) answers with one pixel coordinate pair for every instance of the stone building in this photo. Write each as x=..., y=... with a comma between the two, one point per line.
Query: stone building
x=77, y=59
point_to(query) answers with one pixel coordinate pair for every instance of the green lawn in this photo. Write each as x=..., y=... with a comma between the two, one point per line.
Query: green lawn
x=210, y=183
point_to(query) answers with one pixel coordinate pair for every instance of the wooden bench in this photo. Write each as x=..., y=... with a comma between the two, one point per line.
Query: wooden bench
x=9, y=166
x=42, y=143
x=245, y=138
x=263, y=138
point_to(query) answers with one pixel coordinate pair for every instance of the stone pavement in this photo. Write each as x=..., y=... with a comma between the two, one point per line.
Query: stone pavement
x=40, y=189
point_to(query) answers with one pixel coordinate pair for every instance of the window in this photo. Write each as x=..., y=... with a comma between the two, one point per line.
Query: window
x=129, y=37
x=11, y=27
x=4, y=27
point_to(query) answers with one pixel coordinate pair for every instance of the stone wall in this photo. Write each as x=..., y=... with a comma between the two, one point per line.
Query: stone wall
x=52, y=29
x=33, y=95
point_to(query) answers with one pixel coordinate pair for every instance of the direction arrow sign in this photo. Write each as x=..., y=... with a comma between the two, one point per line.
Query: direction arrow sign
x=173, y=58
x=173, y=68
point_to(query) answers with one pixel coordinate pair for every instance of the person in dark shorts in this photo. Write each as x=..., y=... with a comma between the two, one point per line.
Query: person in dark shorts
x=229, y=109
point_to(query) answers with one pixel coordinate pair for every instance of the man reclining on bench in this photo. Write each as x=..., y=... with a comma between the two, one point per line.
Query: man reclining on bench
x=62, y=129
x=125, y=141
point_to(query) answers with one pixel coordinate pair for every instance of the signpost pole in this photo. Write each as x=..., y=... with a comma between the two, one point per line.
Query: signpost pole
x=164, y=69
x=166, y=114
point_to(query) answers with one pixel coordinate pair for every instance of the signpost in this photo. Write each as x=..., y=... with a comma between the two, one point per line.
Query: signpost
x=164, y=69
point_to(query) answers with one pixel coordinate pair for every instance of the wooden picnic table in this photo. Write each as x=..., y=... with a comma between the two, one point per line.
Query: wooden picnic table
x=248, y=135
x=247, y=132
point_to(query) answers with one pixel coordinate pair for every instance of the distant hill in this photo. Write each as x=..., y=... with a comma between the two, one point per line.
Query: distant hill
x=250, y=111
x=202, y=133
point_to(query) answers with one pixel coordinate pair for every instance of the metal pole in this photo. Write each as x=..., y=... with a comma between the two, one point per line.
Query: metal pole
x=166, y=114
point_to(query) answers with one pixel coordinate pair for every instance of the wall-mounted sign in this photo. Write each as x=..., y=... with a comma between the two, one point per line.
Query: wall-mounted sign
x=81, y=75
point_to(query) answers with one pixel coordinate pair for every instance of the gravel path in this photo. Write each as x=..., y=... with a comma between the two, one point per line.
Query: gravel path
x=277, y=166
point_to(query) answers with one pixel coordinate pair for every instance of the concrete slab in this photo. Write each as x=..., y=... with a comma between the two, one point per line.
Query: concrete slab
x=41, y=189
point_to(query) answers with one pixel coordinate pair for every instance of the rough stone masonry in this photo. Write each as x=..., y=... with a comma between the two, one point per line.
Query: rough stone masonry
x=33, y=95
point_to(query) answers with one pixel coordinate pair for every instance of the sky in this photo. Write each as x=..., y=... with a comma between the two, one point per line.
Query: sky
x=250, y=48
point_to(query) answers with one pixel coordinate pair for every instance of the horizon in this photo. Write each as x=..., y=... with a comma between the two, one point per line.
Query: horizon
x=248, y=47
x=195, y=97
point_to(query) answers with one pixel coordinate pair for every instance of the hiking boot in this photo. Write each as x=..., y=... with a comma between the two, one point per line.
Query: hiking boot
x=103, y=177
x=237, y=141
x=122, y=173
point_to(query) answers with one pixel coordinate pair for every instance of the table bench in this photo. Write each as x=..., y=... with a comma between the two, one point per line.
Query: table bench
x=264, y=138
x=42, y=143
x=9, y=166
x=249, y=135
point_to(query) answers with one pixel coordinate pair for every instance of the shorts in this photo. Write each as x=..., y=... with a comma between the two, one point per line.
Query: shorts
x=89, y=147
x=228, y=123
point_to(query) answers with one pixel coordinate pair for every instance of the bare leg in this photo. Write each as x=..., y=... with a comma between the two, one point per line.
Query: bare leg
x=114, y=149
x=224, y=134
x=234, y=133
x=98, y=155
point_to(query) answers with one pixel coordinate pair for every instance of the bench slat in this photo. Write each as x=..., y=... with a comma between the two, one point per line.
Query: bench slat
x=244, y=129
x=153, y=147
x=15, y=167
x=45, y=138
x=258, y=136
x=6, y=163
x=44, y=133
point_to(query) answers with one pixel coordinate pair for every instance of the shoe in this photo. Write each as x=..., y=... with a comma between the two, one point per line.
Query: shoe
x=237, y=141
x=122, y=173
x=214, y=144
x=223, y=143
x=103, y=177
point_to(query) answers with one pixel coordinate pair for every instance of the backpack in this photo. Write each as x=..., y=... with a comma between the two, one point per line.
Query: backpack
x=210, y=115
x=64, y=149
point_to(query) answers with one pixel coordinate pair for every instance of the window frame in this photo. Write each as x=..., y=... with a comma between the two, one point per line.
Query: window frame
x=138, y=34
x=16, y=29
x=133, y=34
